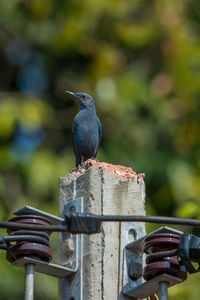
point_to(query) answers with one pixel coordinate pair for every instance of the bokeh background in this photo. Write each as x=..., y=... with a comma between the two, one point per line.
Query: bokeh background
x=140, y=60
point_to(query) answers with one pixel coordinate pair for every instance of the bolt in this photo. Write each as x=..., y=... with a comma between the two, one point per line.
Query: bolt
x=135, y=270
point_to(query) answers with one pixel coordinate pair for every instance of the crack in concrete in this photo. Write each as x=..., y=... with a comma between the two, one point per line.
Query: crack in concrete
x=102, y=239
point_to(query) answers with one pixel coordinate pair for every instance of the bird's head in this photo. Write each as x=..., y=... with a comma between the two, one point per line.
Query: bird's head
x=84, y=100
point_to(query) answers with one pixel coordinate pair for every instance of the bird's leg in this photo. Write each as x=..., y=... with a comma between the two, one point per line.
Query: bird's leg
x=82, y=160
x=78, y=165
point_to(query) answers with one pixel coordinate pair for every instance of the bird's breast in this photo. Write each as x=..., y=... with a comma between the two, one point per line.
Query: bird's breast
x=86, y=126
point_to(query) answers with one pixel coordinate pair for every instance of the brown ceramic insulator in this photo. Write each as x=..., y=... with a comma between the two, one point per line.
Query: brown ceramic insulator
x=30, y=219
x=161, y=242
x=33, y=250
x=157, y=268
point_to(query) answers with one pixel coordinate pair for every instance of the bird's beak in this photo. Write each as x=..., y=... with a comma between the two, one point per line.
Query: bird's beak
x=72, y=94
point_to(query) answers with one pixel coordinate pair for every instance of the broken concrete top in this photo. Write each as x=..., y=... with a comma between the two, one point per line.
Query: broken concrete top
x=112, y=170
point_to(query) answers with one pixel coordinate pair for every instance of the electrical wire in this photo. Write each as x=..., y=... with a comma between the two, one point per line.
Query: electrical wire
x=159, y=255
x=31, y=232
x=26, y=238
x=150, y=219
x=49, y=228
x=78, y=217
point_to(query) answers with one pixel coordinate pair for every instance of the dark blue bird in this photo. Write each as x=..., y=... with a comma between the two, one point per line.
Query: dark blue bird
x=86, y=129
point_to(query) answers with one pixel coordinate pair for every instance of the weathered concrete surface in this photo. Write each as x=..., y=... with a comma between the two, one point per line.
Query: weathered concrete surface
x=106, y=189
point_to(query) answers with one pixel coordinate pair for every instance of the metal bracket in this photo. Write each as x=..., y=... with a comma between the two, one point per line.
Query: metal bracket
x=44, y=267
x=72, y=287
x=138, y=288
x=129, y=233
x=55, y=270
x=27, y=210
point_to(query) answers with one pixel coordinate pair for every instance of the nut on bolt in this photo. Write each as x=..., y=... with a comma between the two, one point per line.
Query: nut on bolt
x=135, y=270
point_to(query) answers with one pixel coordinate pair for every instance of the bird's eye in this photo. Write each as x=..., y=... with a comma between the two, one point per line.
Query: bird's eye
x=83, y=97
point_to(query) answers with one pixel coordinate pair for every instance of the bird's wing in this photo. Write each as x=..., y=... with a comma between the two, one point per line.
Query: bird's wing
x=73, y=130
x=100, y=130
x=100, y=134
x=77, y=149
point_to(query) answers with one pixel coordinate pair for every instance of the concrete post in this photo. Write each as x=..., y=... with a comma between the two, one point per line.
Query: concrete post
x=106, y=189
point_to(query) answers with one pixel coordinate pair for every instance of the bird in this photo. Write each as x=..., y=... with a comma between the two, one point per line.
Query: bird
x=86, y=129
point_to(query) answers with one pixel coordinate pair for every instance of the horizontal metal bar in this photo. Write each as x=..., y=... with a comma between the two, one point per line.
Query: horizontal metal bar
x=150, y=287
x=27, y=210
x=45, y=268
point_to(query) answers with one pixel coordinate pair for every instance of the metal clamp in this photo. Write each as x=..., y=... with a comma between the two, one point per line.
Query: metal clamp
x=74, y=291
x=135, y=286
x=129, y=233
x=59, y=271
x=50, y=268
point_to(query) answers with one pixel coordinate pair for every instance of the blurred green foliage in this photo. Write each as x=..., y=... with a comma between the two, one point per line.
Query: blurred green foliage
x=141, y=62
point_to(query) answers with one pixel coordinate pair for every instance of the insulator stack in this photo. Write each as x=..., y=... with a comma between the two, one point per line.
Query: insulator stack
x=155, y=247
x=38, y=248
